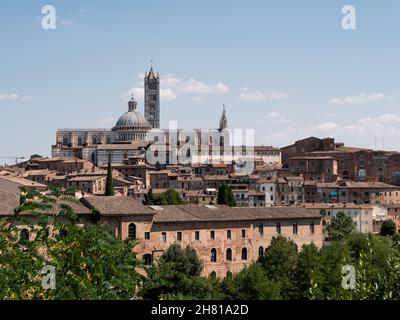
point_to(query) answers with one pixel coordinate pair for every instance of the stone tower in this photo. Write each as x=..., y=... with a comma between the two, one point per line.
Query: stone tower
x=152, y=98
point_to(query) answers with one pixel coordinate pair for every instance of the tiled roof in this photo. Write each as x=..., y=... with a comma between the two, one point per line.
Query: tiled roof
x=265, y=148
x=23, y=182
x=116, y=205
x=8, y=202
x=193, y=213
x=357, y=185
x=85, y=178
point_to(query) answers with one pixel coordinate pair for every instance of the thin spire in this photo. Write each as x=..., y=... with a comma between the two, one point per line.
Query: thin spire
x=151, y=75
x=223, y=122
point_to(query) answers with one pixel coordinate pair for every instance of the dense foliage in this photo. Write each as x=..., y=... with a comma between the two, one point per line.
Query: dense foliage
x=388, y=228
x=169, y=197
x=341, y=226
x=286, y=273
x=89, y=262
x=225, y=196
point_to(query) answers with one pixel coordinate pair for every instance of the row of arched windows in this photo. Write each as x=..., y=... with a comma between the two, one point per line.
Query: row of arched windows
x=24, y=234
x=229, y=255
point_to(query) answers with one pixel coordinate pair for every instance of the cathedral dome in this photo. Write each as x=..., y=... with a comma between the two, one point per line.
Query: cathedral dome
x=132, y=119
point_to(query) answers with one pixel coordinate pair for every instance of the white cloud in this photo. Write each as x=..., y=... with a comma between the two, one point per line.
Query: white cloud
x=8, y=96
x=249, y=95
x=13, y=96
x=363, y=132
x=199, y=87
x=138, y=92
x=362, y=98
x=273, y=118
x=167, y=94
x=172, y=87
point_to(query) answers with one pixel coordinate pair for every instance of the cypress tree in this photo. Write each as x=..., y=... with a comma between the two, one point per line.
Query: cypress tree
x=109, y=182
x=225, y=196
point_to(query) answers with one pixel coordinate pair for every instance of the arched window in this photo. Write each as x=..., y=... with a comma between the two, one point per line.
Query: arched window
x=260, y=251
x=24, y=235
x=132, y=231
x=213, y=275
x=63, y=233
x=229, y=254
x=213, y=255
x=147, y=259
x=244, y=254
x=229, y=275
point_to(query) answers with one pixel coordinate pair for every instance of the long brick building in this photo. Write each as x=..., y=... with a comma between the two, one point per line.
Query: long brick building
x=226, y=239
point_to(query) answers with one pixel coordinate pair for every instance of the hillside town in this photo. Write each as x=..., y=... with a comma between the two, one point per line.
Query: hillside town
x=293, y=190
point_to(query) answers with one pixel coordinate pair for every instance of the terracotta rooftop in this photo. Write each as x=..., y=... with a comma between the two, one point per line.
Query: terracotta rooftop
x=22, y=182
x=8, y=202
x=356, y=185
x=116, y=205
x=193, y=213
x=85, y=178
x=265, y=148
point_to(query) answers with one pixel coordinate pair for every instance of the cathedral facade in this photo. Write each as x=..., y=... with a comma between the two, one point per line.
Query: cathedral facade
x=132, y=134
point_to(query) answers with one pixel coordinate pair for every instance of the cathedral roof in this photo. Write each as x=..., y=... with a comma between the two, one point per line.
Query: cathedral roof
x=132, y=119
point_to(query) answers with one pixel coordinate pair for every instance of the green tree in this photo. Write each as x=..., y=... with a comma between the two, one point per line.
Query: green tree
x=225, y=196
x=252, y=283
x=388, y=228
x=327, y=279
x=341, y=226
x=149, y=199
x=109, y=182
x=279, y=260
x=307, y=265
x=89, y=262
x=169, y=197
x=186, y=260
x=176, y=276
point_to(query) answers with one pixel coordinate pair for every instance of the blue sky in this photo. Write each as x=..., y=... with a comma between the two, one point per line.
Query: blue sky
x=284, y=68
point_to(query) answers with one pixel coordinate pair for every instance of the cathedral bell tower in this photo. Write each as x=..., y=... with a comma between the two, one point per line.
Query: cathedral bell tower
x=152, y=98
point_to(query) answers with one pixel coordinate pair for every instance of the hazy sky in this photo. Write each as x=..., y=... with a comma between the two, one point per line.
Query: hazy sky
x=286, y=69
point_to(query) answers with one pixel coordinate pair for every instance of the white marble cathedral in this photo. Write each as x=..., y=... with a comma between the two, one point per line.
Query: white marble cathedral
x=130, y=135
